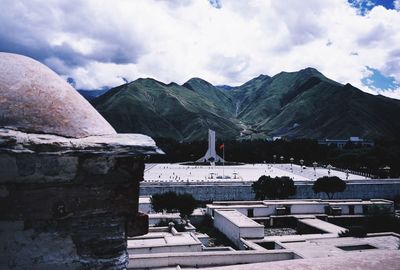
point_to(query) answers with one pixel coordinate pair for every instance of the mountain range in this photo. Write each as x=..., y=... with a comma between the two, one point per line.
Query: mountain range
x=92, y=94
x=302, y=104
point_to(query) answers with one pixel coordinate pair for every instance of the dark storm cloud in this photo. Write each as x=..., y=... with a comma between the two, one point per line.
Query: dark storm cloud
x=29, y=28
x=106, y=43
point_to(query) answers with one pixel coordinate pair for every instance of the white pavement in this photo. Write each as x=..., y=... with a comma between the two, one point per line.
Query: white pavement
x=167, y=172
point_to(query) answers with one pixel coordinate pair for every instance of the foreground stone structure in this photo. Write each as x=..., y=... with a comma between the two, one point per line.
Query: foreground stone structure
x=68, y=195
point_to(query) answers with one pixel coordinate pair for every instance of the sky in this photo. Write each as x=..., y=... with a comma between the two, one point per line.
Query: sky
x=100, y=43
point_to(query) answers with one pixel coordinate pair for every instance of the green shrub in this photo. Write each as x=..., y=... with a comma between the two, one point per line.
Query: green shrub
x=171, y=202
x=329, y=185
x=274, y=188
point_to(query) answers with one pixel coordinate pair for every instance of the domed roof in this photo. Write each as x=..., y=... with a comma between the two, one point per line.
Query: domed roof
x=34, y=99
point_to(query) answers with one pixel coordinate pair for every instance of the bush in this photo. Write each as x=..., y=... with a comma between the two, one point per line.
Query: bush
x=170, y=202
x=274, y=188
x=164, y=201
x=186, y=204
x=329, y=185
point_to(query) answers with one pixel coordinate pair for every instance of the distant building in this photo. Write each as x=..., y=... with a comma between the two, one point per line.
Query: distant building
x=281, y=138
x=246, y=132
x=269, y=234
x=340, y=143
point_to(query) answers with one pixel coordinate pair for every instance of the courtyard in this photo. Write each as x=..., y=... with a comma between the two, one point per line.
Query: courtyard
x=175, y=172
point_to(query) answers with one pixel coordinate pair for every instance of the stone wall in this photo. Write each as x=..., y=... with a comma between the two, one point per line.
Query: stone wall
x=358, y=189
x=68, y=212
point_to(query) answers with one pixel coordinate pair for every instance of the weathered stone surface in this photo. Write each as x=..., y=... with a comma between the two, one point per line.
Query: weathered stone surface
x=81, y=223
x=8, y=168
x=29, y=168
x=68, y=166
x=3, y=192
x=69, y=184
x=53, y=246
x=108, y=145
x=35, y=99
x=26, y=165
x=98, y=166
x=49, y=166
x=137, y=225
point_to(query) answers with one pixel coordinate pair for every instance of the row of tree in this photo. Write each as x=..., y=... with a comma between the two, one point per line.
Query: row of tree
x=264, y=187
x=283, y=187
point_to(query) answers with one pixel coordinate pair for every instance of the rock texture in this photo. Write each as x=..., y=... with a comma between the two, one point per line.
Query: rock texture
x=71, y=212
x=108, y=145
x=70, y=203
x=35, y=99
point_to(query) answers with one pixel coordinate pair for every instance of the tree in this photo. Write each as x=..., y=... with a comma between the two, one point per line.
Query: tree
x=186, y=205
x=170, y=202
x=274, y=188
x=164, y=201
x=329, y=185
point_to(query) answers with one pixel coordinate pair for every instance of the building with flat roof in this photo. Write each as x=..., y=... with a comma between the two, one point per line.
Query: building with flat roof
x=246, y=224
x=340, y=143
x=266, y=208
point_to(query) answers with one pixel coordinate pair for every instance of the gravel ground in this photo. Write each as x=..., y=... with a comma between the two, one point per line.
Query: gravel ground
x=279, y=231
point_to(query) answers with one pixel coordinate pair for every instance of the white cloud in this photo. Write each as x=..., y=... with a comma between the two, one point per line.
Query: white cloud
x=396, y=4
x=96, y=74
x=97, y=42
x=392, y=93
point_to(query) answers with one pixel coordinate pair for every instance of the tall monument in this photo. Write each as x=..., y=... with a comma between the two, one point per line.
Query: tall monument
x=211, y=155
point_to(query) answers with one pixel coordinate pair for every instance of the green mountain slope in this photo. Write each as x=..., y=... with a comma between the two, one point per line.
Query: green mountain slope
x=341, y=112
x=159, y=110
x=262, y=98
x=222, y=101
x=307, y=104
x=295, y=104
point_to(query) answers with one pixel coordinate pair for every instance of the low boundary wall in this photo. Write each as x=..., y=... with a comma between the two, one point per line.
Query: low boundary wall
x=223, y=191
x=207, y=258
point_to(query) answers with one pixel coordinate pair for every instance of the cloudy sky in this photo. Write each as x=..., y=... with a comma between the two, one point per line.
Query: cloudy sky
x=102, y=43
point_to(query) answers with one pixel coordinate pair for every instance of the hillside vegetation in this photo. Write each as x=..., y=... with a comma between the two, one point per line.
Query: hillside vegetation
x=303, y=104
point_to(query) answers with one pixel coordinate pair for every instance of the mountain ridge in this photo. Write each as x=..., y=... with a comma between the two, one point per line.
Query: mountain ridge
x=302, y=104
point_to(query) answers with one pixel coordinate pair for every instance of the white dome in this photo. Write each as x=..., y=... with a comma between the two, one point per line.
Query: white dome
x=34, y=99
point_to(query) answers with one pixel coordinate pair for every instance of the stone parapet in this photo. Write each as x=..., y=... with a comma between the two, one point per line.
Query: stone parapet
x=69, y=183
x=74, y=211
x=70, y=203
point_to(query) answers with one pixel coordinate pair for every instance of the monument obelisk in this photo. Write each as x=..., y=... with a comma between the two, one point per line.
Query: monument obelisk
x=211, y=155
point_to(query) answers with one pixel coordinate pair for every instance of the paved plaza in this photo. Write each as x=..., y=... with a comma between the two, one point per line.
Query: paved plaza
x=167, y=172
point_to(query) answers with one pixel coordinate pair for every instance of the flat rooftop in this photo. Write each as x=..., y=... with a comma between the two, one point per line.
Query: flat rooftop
x=327, y=247
x=266, y=203
x=377, y=259
x=162, y=239
x=167, y=172
x=322, y=225
x=238, y=218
